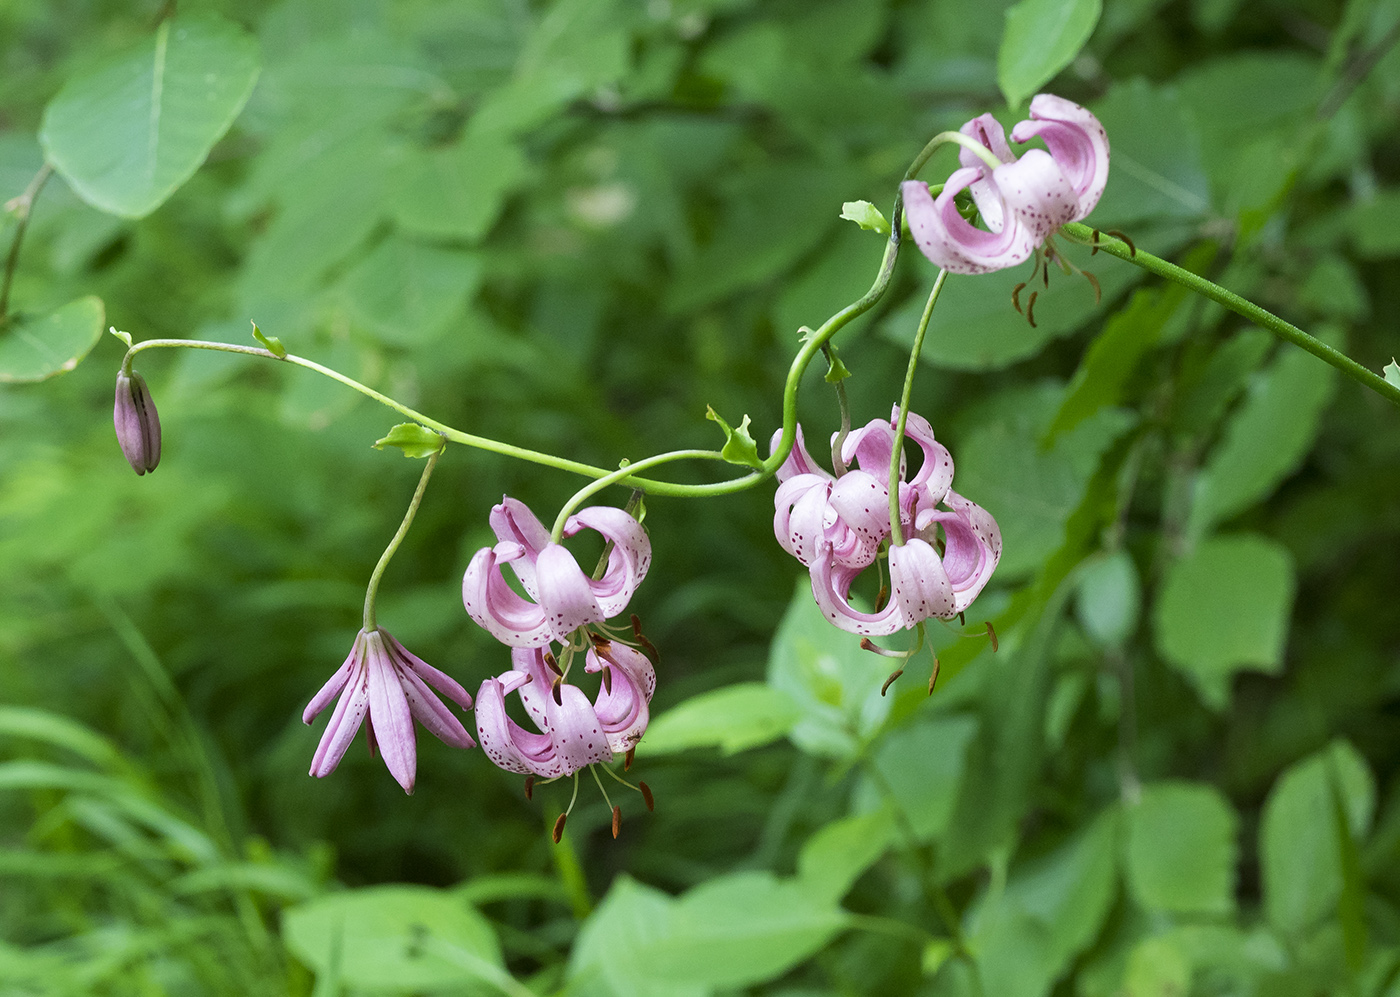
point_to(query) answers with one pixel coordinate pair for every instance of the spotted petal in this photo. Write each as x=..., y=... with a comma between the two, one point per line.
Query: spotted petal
x=621, y=706
x=493, y=604
x=950, y=241
x=627, y=564
x=1077, y=143
x=513, y=521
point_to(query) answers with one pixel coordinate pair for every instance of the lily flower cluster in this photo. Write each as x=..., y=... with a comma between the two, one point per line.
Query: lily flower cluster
x=838, y=525
x=1022, y=201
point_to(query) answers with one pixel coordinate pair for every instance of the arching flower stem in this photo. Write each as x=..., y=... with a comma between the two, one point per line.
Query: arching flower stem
x=897, y=452
x=1288, y=332
x=372, y=592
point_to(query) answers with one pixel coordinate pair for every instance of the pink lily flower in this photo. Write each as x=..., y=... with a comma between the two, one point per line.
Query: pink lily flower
x=574, y=733
x=1022, y=201
x=561, y=596
x=385, y=686
x=923, y=583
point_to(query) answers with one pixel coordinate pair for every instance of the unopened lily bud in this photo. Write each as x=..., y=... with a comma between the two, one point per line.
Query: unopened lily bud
x=138, y=425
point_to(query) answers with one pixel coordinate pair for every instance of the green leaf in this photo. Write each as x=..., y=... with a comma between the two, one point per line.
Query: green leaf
x=1392, y=373
x=458, y=192
x=1109, y=599
x=60, y=732
x=1265, y=440
x=1225, y=607
x=379, y=938
x=866, y=215
x=36, y=348
x=1300, y=850
x=922, y=767
x=1182, y=853
x=739, y=446
x=270, y=343
x=834, y=684
x=408, y=293
x=126, y=135
x=837, y=855
x=734, y=718
x=1042, y=37
x=413, y=439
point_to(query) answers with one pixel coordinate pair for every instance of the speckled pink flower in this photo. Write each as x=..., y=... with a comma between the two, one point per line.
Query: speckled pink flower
x=1022, y=201
x=561, y=596
x=573, y=732
x=386, y=687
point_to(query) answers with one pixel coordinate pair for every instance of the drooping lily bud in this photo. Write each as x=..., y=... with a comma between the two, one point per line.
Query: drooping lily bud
x=138, y=425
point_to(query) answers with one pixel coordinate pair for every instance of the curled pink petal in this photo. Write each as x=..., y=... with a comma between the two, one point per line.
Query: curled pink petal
x=496, y=607
x=950, y=241
x=919, y=584
x=1077, y=142
x=973, y=546
x=512, y=521
x=798, y=461
x=565, y=593
x=1037, y=193
x=831, y=587
x=988, y=131
x=627, y=564
x=621, y=705
x=862, y=500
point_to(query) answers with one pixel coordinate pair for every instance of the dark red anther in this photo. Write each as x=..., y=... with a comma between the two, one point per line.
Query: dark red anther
x=992, y=635
x=1119, y=235
x=627, y=759
x=601, y=643
x=648, y=648
x=962, y=619
x=617, y=821
x=1098, y=291
x=933, y=679
x=558, y=692
x=1095, y=241
x=882, y=598
x=890, y=681
x=529, y=787
x=559, y=828
x=1016, y=296
x=647, y=798
x=553, y=663
x=1030, y=309
x=607, y=680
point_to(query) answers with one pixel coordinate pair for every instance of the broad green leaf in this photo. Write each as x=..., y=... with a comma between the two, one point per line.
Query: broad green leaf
x=1031, y=491
x=1109, y=600
x=1209, y=391
x=744, y=928
x=922, y=766
x=1265, y=440
x=1182, y=850
x=833, y=683
x=612, y=956
x=391, y=938
x=1157, y=171
x=413, y=439
x=408, y=293
x=35, y=348
x=836, y=856
x=1375, y=225
x=1157, y=967
x=734, y=718
x=1042, y=37
x=1051, y=909
x=1300, y=851
x=60, y=732
x=458, y=192
x=126, y=135
x=1225, y=607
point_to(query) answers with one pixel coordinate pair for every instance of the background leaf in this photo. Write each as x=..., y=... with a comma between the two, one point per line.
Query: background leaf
x=1042, y=37
x=35, y=348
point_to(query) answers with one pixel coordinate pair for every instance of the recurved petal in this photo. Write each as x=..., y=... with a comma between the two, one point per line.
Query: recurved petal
x=870, y=446
x=831, y=587
x=935, y=475
x=630, y=558
x=338, y=680
x=1077, y=142
x=345, y=721
x=862, y=501
x=919, y=584
x=503, y=740
x=439, y=680
x=492, y=603
x=621, y=706
x=798, y=461
x=1037, y=193
x=800, y=514
x=566, y=594
x=576, y=732
x=390, y=715
x=947, y=238
x=513, y=521
x=988, y=131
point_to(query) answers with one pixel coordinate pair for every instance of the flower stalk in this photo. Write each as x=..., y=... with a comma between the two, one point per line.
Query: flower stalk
x=372, y=592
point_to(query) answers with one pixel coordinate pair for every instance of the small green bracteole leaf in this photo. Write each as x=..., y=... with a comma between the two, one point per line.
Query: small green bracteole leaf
x=866, y=215
x=739, y=446
x=125, y=337
x=414, y=440
x=1392, y=372
x=272, y=344
x=35, y=348
x=836, y=371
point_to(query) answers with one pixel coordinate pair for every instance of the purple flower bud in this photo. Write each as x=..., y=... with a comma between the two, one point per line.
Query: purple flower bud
x=138, y=426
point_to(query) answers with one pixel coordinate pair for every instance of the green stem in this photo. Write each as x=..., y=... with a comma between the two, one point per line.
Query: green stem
x=623, y=474
x=897, y=452
x=372, y=593
x=1240, y=306
x=23, y=205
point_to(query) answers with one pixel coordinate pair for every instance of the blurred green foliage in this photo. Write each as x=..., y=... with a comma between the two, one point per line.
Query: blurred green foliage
x=573, y=225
